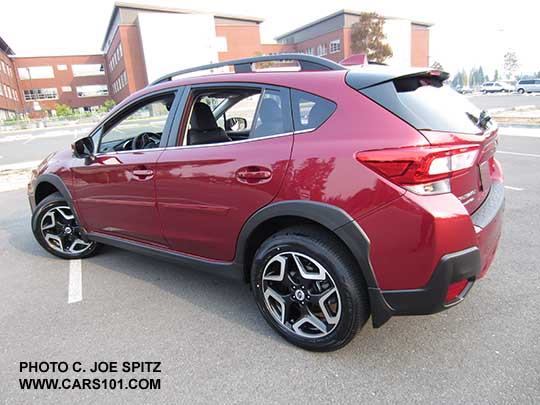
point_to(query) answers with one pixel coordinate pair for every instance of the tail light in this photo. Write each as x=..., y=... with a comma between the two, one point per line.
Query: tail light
x=422, y=170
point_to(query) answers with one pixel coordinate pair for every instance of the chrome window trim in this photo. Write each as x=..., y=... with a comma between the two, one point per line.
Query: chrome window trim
x=208, y=145
x=304, y=131
x=121, y=152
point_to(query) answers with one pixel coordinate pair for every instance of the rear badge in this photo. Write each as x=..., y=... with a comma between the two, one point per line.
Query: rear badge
x=467, y=198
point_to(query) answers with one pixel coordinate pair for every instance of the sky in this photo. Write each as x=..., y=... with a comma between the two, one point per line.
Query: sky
x=465, y=33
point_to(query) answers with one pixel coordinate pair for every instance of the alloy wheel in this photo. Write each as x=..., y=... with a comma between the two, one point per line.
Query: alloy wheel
x=62, y=232
x=301, y=295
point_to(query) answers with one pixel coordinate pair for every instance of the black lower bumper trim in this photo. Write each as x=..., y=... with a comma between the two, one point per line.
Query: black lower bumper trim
x=453, y=267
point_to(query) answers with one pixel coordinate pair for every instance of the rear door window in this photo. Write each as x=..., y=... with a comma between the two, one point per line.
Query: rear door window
x=309, y=110
x=273, y=115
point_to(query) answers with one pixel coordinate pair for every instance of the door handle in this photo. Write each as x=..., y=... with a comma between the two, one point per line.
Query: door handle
x=253, y=174
x=143, y=173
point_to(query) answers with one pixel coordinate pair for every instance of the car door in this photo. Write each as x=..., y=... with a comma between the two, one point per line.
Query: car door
x=205, y=193
x=114, y=190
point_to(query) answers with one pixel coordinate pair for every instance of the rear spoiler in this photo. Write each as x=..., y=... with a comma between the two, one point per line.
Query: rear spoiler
x=369, y=76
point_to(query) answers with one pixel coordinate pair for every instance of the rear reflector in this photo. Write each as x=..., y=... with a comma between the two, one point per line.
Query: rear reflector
x=422, y=170
x=455, y=289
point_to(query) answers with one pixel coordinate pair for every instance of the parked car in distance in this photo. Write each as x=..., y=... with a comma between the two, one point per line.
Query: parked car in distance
x=496, y=87
x=528, y=86
x=337, y=194
x=464, y=89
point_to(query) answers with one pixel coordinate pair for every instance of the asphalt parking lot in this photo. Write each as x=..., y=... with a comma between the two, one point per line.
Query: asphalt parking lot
x=214, y=345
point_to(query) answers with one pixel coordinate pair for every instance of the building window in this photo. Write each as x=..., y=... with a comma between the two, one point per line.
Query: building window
x=36, y=72
x=321, y=50
x=66, y=89
x=41, y=94
x=335, y=46
x=90, y=69
x=94, y=90
x=116, y=57
x=310, y=51
x=1, y=91
x=61, y=67
x=120, y=82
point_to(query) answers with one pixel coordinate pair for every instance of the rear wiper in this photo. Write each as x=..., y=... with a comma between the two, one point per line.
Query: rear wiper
x=483, y=119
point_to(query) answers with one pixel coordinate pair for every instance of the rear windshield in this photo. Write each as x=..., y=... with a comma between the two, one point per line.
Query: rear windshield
x=427, y=104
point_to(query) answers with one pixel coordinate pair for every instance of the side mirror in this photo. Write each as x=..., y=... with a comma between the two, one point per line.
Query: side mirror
x=83, y=148
x=235, y=124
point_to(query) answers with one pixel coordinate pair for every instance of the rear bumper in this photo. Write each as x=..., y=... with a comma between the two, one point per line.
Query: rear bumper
x=469, y=264
x=453, y=267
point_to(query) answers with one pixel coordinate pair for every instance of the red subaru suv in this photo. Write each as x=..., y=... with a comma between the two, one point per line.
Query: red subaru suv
x=337, y=193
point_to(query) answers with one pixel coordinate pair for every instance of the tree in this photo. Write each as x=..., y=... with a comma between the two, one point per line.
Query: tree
x=481, y=77
x=496, y=75
x=464, y=78
x=107, y=106
x=63, y=110
x=510, y=64
x=368, y=37
x=472, y=77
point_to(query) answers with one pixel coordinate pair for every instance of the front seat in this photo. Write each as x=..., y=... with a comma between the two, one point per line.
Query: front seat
x=271, y=119
x=204, y=128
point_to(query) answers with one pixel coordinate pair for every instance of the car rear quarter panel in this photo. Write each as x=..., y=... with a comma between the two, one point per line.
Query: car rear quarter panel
x=323, y=167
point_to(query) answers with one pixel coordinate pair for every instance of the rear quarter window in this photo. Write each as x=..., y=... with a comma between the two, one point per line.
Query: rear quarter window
x=310, y=111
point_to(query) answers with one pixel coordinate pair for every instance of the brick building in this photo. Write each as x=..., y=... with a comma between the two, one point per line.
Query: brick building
x=330, y=37
x=143, y=43
x=10, y=102
x=75, y=80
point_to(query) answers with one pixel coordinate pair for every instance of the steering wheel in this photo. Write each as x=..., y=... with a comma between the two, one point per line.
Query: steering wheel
x=145, y=140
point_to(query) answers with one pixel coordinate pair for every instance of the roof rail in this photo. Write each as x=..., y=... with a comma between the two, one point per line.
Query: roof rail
x=307, y=63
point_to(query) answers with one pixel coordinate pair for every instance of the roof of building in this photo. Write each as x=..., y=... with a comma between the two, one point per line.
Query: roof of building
x=5, y=47
x=344, y=11
x=56, y=55
x=166, y=9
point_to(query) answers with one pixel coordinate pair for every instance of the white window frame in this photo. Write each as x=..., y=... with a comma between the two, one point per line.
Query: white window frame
x=32, y=92
x=335, y=46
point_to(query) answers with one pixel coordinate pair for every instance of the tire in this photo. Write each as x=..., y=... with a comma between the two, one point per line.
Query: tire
x=521, y=91
x=56, y=229
x=327, y=265
x=484, y=92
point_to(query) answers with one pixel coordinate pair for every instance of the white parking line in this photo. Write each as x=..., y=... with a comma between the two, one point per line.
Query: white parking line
x=518, y=154
x=75, y=281
x=32, y=164
x=514, y=188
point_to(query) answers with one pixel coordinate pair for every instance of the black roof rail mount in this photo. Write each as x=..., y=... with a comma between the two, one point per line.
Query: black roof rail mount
x=307, y=63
